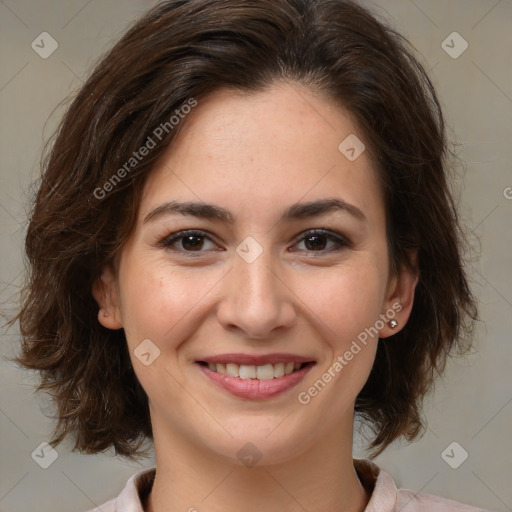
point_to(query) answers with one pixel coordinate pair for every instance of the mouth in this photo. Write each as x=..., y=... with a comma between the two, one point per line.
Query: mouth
x=255, y=377
x=260, y=372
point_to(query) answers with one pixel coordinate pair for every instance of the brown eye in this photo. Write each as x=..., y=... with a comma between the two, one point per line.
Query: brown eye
x=314, y=242
x=317, y=241
x=192, y=242
x=187, y=241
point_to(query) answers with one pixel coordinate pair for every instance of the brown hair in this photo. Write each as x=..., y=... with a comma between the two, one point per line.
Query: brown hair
x=184, y=49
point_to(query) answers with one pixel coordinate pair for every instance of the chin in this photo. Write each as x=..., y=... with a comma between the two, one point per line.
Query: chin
x=269, y=441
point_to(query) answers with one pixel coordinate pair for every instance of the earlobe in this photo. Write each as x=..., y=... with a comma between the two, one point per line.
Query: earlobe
x=400, y=298
x=105, y=293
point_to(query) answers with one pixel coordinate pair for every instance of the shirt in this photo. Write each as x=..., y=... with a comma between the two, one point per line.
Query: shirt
x=385, y=497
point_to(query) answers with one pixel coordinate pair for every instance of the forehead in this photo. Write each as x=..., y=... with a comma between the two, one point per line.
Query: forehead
x=265, y=150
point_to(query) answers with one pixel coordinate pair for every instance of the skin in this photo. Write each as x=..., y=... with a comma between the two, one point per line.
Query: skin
x=255, y=155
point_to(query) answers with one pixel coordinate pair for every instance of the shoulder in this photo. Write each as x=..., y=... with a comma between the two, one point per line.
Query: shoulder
x=131, y=497
x=409, y=501
x=385, y=497
x=109, y=506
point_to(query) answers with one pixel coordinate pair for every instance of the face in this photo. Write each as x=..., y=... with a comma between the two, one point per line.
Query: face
x=253, y=296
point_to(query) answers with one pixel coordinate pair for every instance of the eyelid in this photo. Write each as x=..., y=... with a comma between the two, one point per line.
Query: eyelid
x=328, y=233
x=342, y=241
x=166, y=241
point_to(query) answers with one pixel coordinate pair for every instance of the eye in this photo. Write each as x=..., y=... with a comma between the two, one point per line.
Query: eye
x=316, y=240
x=187, y=241
x=192, y=240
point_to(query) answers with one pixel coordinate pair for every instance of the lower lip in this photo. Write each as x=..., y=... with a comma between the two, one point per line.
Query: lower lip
x=255, y=389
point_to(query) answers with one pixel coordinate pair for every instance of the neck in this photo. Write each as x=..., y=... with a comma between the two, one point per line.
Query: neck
x=321, y=478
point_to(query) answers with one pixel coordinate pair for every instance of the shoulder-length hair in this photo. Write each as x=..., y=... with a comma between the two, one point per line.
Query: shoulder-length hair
x=86, y=205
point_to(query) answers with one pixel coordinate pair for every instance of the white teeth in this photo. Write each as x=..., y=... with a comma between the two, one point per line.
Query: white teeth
x=247, y=372
x=278, y=370
x=288, y=368
x=232, y=370
x=263, y=372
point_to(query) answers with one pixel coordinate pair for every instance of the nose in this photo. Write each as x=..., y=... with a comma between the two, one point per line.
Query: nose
x=256, y=299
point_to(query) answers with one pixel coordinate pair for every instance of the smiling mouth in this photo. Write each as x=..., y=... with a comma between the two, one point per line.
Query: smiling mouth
x=261, y=372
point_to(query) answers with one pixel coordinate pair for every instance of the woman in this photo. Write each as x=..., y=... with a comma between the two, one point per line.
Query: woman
x=244, y=238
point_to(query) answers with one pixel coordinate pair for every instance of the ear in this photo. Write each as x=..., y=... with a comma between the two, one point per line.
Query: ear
x=400, y=297
x=105, y=292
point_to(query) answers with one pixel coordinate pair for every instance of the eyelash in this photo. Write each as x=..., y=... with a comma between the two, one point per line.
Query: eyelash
x=168, y=241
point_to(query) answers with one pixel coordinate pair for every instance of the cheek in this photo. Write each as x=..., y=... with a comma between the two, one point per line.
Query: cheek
x=163, y=305
x=345, y=304
x=156, y=301
x=347, y=298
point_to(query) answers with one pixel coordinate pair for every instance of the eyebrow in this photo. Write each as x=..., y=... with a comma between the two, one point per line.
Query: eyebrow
x=294, y=212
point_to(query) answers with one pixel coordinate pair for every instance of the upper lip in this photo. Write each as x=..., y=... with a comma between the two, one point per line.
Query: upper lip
x=255, y=360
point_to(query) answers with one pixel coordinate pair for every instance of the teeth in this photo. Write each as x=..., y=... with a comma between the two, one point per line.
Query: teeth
x=278, y=370
x=232, y=370
x=264, y=372
x=248, y=372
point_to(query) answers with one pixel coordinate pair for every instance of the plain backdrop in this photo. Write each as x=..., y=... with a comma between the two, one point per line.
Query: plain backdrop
x=471, y=406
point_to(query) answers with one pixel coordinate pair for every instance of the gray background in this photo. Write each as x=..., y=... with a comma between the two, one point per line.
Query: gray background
x=472, y=405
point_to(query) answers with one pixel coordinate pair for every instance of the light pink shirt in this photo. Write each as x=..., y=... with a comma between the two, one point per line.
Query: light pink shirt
x=385, y=497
